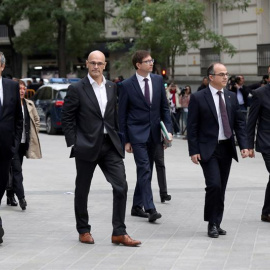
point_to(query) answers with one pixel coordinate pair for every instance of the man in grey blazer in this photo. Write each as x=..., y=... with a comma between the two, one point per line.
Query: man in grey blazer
x=89, y=120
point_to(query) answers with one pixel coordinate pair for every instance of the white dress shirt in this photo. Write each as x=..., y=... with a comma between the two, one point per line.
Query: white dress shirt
x=101, y=94
x=142, y=84
x=215, y=95
x=1, y=91
x=240, y=97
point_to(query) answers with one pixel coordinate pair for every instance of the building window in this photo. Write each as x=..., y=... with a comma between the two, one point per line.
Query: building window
x=263, y=58
x=3, y=31
x=208, y=56
x=214, y=17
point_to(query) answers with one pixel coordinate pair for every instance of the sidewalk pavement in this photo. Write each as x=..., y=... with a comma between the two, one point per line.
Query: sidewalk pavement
x=44, y=236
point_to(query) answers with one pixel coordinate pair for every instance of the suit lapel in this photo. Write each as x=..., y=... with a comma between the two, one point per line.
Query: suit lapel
x=91, y=94
x=154, y=89
x=6, y=95
x=110, y=95
x=210, y=101
x=227, y=97
x=138, y=88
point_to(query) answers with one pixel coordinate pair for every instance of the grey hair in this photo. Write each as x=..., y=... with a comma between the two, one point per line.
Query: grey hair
x=3, y=59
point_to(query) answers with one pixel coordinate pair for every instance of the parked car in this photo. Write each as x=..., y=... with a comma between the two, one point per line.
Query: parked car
x=49, y=100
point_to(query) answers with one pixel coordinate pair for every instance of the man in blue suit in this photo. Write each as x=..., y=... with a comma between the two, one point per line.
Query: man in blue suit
x=142, y=105
x=213, y=115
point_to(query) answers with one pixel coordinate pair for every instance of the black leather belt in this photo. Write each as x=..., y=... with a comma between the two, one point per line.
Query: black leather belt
x=223, y=141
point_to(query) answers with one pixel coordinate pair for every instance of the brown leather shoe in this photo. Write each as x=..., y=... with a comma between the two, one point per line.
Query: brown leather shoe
x=125, y=240
x=86, y=238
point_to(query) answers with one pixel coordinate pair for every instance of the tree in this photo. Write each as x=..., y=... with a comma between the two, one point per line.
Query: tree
x=65, y=28
x=169, y=28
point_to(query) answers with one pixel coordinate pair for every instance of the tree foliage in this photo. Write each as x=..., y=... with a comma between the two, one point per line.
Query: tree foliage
x=169, y=28
x=61, y=27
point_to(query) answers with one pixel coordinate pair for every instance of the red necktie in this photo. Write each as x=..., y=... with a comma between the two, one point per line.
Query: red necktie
x=146, y=91
x=224, y=117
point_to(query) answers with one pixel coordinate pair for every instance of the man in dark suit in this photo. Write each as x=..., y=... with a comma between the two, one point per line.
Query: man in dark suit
x=204, y=84
x=260, y=113
x=213, y=115
x=11, y=125
x=142, y=105
x=90, y=125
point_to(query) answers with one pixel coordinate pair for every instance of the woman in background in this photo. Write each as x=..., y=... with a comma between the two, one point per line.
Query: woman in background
x=29, y=147
x=184, y=101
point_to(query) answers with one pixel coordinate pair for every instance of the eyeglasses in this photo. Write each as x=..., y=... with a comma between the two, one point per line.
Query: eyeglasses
x=221, y=74
x=95, y=63
x=149, y=61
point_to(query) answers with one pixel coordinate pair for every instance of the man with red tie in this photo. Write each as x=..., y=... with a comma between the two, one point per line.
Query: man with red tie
x=214, y=114
x=142, y=105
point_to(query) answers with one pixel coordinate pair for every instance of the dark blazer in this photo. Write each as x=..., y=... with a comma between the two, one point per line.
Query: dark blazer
x=203, y=128
x=245, y=92
x=11, y=119
x=83, y=123
x=136, y=117
x=260, y=113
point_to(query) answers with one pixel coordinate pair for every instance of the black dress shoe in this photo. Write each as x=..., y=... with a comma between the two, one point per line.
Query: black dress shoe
x=23, y=203
x=213, y=231
x=11, y=201
x=165, y=197
x=137, y=211
x=221, y=231
x=1, y=234
x=265, y=218
x=153, y=215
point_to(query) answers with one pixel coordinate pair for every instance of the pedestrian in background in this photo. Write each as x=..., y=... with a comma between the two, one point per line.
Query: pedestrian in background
x=11, y=125
x=204, y=84
x=29, y=147
x=173, y=93
x=161, y=172
x=184, y=102
x=214, y=114
x=90, y=126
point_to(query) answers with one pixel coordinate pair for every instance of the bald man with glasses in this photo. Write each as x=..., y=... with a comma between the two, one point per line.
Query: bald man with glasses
x=90, y=126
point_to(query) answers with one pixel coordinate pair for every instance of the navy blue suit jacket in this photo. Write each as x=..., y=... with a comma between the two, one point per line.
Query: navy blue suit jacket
x=137, y=118
x=260, y=113
x=203, y=128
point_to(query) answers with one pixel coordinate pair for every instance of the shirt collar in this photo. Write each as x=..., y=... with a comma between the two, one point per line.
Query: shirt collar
x=92, y=81
x=141, y=78
x=214, y=90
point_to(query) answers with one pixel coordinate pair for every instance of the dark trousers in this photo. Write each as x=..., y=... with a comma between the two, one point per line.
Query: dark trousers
x=112, y=166
x=4, y=175
x=144, y=159
x=17, y=181
x=216, y=172
x=160, y=168
x=266, y=206
x=175, y=120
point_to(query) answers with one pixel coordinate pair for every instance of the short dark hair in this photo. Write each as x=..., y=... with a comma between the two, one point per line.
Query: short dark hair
x=138, y=56
x=265, y=77
x=210, y=70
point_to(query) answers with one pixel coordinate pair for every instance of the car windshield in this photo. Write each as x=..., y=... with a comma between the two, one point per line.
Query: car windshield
x=62, y=94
